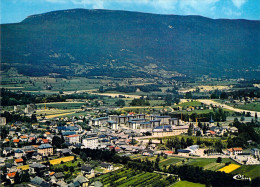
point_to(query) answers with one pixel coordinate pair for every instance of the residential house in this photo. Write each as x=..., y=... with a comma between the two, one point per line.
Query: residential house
x=18, y=153
x=107, y=166
x=87, y=169
x=18, y=162
x=235, y=151
x=255, y=152
x=45, y=150
x=7, y=150
x=35, y=167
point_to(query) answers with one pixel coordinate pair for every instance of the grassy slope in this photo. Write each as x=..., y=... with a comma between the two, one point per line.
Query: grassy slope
x=187, y=184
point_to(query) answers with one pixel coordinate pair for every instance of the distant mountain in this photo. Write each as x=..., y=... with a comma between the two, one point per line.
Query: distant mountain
x=130, y=44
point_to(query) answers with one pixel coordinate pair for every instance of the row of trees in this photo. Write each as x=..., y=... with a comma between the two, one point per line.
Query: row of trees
x=19, y=98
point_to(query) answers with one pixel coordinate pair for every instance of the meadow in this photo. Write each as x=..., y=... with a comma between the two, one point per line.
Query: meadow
x=128, y=177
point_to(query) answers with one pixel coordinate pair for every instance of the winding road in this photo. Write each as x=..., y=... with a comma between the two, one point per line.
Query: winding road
x=209, y=101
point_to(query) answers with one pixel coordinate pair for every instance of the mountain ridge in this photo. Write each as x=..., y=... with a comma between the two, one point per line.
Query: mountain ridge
x=108, y=39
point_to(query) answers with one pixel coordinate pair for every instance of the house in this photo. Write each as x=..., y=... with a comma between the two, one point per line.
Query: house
x=235, y=151
x=72, y=139
x=35, y=167
x=45, y=150
x=7, y=150
x=39, y=182
x=255, y=151
x=90, y=142
x=168, y=152
x=18, y=153
x=107, y=166
x=87, y=169
x=81, y=180
x=2, y=121
x=96, y=184
x=18, y=162
x=183, y=152
x=11, y=176
x=147, y=152
x=59, y=176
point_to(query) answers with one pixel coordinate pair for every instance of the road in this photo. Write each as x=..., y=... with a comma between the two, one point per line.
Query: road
x=209, y=101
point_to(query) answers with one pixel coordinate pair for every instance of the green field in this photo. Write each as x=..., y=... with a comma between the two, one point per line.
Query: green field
x=192, y=103
x=187, y=184
x=255, y=106
x=251, y=171
x=61, y=105
x=127, y=177
x=170, y=160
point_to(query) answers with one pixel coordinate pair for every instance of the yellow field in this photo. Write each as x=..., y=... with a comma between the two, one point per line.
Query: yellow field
x=64, y=159
x=229, y=168
x=25, y=167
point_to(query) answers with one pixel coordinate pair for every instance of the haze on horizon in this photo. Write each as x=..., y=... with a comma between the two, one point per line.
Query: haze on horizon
x=13, y=11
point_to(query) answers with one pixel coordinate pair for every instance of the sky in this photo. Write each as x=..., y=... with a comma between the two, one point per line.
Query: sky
x=13, y=11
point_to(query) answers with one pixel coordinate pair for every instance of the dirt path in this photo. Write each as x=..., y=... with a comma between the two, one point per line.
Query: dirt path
x=208, y=102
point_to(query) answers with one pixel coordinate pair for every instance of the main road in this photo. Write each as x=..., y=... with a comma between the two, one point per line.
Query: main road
x=209, y=101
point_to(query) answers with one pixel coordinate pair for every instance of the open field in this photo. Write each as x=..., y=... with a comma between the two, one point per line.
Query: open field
x=229, y=168
x=251, y=171
x=63, y=159
x=127, y=177
x=53, y=113
x=187, y=184
x=61, y=105
x=206, y=88
x=255, y=106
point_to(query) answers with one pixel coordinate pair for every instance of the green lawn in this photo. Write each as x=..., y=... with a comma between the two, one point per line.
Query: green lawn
x=187, y=184
x=255, y=106
x=192, y=103
x=170, y=160
x=251, y=171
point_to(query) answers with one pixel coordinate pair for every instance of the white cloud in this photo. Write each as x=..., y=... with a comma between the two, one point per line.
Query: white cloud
x=230, y=12
x=238, y=3
x=198, y=6
x=100, y=4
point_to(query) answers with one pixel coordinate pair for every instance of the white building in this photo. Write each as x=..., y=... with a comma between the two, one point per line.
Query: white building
x=91, y=142
x=72, y=139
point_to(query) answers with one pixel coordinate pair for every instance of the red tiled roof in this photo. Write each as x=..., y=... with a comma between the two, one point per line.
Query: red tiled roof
x=45, y=140
x=23, y=137
x=212, y=132
x=52, y=173
x=16, y=140
x=168, y=152
x=237, y=149
x=11, y=175
x=70, y=136
x=19, y=160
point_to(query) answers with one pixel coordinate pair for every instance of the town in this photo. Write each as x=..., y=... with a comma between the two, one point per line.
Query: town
x=72, y=151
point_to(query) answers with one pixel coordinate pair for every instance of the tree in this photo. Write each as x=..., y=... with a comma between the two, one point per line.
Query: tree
x=17, y=178
x=219, y=160
x=57, y=141
x=34, y=118
x=198, y=133
x=120, y=102
x=242, y=118
x=25, y=177
x=101, y=89
x=190, y=130
x=168, y=99
x=188, y=95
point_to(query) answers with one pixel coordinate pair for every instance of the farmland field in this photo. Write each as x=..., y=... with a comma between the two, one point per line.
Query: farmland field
x=187, y=184
x=63, y=159
x=255, y=106
x=127, y=177
x=251, y=171
x=229, y=168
